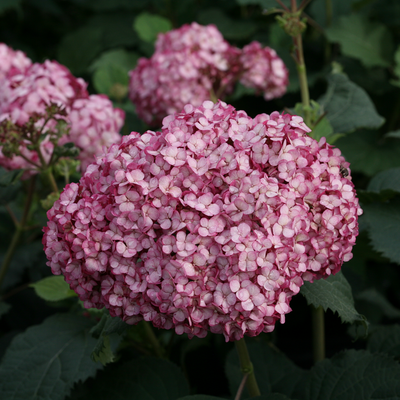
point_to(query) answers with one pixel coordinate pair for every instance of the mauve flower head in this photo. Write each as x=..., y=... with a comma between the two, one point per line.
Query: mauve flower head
x=94, y=124
x=188, y=64
x=212, y=224
x=30, y=93
x=264, y=71
x=12, y=62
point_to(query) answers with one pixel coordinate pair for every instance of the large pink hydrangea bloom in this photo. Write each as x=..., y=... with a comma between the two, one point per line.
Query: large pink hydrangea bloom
x=264, y=71
x=94, y=124
x=12, y=62
x=188, y=64
x=212, y=224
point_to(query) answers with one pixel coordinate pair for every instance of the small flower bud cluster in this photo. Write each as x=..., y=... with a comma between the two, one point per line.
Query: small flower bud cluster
x=28, y=94
x=212, y=224
x=193, y=63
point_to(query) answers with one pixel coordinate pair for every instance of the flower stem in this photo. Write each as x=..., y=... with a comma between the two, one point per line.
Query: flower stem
x=52, y=180
x=20, y=227
x=318, y=328
x=302, y=72
x=155, y=344
x=247, y=368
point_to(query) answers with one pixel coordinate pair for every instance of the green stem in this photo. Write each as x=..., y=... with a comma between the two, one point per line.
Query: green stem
x=302, y=72
x=20, y=227
x=155, y=344
x=52, y=180
x=318, y=328
x=247, y=368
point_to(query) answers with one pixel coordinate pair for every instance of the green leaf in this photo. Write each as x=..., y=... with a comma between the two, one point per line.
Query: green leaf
x=53, y=288
x=267, y=4
x=318, y=10
x=393, y=134
x=384, y=227
x=79, y=48
x=372, y=296
x=355, y=375
x=274, y=371
x=148, y=26
x=4, y=308
x=120, y=57
x=369, y=153
x=107, y=5
x=9, y=5
x=369, y=42
x=388, y=179
x=144, y=378
x=9, y=177
x=396, y=68
x=108, y=333
x=230, y=28
x=48, y=359
x=107, y=79
x=385, y=339
x=333, y=293
x=348, y=106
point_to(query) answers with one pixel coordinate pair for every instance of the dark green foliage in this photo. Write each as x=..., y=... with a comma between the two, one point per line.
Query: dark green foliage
x=53, y=349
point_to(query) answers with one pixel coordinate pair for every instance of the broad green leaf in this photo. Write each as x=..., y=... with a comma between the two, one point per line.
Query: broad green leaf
x=9, y=5
x=107, y=5
x=385, y=339
x=108, y=334
x=319, y=12
x=111, y=80
x=384, y=227
x=354, y=375
x=116, y=29
x=388, y=179
x=148, y=26
x=120, y=57
x=369, y=42
x=9, y=177
x=396, y=69
x=372, y=296
x=348, y=106
x=230, y=28
x=80, y=47
x=267, y=4
x=144, y=378
x=393, y=134
x=369, y=153
x=27, y=256
x=53, y=288
x=4, y=308
x=46, y=360
x=333, y=293
x=274, y=371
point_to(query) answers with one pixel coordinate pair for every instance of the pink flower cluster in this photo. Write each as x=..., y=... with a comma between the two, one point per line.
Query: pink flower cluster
x=263, y=71
x=12, y=62
x=212, y=224
x=94, y=124
x=193, y=63
x=92, y=119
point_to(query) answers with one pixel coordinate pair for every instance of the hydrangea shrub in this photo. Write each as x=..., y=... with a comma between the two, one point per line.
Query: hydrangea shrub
x=212, y=224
